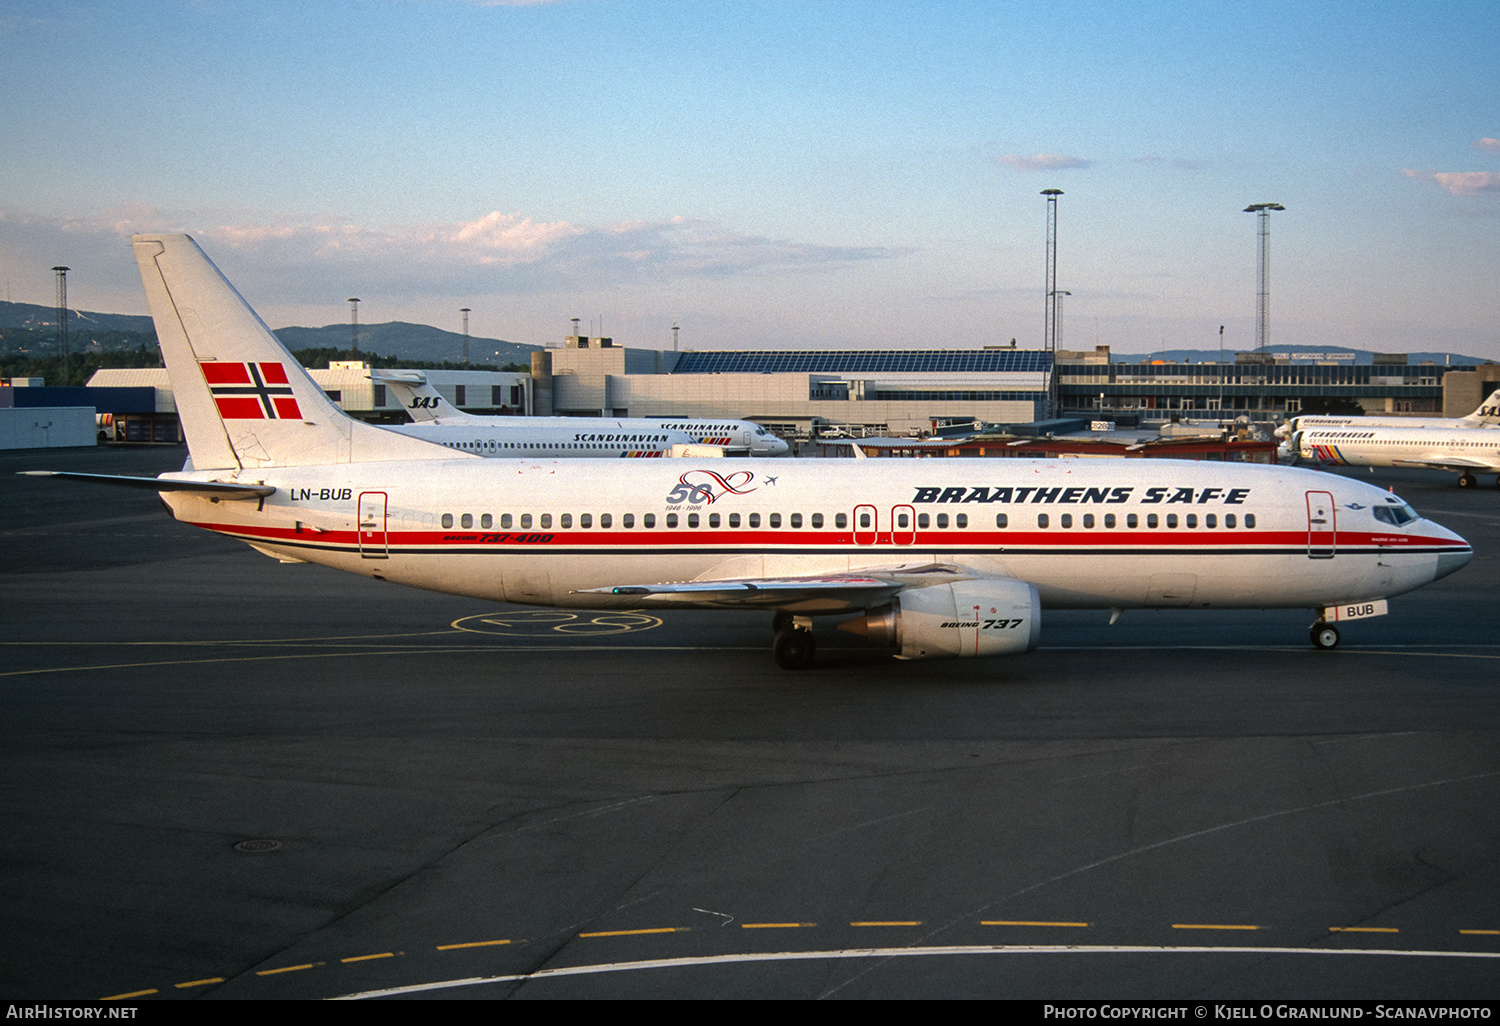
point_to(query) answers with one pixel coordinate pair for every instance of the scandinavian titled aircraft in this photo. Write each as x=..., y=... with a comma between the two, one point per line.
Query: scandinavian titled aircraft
x=535, y=437
x=429, y=411
x=1488, y=414
x=1465, y=451
x=944, y=557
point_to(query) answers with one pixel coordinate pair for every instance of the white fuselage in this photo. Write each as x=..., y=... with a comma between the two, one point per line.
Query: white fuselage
x=1488, y=414
x=1360, y=446
x=1096, y=533
x=552, y=437
x=734, y=436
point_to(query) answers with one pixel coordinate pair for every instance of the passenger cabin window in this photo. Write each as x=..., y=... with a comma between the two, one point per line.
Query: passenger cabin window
x=565, y=521
x=447, y=519
x=1066, y=520
x=486, y=521
x=1001, y=520
x=648, y=520
x=546, y=520
x=671, y=519
x=585, y=520
x=796, y=520
x=1041, y=520
x=817, y=520
x=961, y=520
x=754, y=519
x=466, y=521
x=774, y=520
x=605, y=520
x=841, y=520
x=692, y=520
x=942, y=520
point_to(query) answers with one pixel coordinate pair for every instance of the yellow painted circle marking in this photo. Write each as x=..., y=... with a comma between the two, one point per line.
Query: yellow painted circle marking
x=533, y=623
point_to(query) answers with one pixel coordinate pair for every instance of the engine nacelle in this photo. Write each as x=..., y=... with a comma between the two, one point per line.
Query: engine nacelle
x=986, y=617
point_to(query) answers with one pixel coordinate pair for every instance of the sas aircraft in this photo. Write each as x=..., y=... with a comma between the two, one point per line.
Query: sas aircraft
x=1488, y=414
x=926, y=558
x=429, y=411
x=1465, y=451
x=556, y=436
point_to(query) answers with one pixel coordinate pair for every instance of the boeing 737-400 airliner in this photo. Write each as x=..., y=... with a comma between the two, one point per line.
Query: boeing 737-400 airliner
x=939, y=557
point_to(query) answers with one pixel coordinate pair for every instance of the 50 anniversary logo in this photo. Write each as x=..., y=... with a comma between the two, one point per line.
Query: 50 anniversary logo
x=708, y=486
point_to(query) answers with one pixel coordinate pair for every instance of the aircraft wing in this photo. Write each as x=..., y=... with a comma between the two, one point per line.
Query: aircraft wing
x=1450, y=463
x=894, y=443
x=215, y=489
x=816, y=593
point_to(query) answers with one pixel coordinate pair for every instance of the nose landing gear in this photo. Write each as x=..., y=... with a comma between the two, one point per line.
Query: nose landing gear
x=1325, y=636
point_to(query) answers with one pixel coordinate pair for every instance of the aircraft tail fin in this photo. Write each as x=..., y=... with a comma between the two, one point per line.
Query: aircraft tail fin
x=423, y=403
x=1488, y=412
x=243, y=400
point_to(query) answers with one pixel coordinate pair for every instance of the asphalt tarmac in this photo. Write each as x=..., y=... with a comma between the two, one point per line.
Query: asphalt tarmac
x=229, y=778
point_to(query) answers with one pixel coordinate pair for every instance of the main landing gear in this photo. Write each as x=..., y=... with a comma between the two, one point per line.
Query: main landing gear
x=794, y=647
x=1325, y=636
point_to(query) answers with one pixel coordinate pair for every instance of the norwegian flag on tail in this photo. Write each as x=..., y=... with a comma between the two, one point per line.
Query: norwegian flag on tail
x=251, y=391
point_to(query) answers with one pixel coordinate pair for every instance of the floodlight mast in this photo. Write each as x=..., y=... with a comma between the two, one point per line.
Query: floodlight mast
x=1049, y=320
x=1263, y=287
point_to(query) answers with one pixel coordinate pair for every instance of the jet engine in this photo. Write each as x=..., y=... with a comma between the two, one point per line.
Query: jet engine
x=984, y=617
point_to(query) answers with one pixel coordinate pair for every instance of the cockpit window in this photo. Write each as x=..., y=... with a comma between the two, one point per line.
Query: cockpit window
x=1395, y=514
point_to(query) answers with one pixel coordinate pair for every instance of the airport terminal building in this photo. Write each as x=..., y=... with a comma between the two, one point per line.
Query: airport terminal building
x=802, y=394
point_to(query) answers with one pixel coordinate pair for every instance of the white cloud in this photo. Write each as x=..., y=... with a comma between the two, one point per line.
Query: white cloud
x=498, y=254
x=1460, y=183
x=1043, y=162
x=1488, y=145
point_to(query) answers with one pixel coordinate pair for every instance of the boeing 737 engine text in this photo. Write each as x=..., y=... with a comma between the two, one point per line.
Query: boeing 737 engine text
x=950, y=557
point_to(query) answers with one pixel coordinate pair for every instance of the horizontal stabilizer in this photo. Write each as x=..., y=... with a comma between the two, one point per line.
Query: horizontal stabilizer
x=214, y=489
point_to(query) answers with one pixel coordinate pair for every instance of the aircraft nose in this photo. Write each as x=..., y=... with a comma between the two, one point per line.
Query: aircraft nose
x=1454, y=558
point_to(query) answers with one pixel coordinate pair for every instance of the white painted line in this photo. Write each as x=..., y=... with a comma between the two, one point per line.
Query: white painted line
x=966, y=949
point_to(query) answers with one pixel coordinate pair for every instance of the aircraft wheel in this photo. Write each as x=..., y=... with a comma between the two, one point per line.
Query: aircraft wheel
x=1466, y=481
x=780, y=620
x=1325, y=636
x=794, y=649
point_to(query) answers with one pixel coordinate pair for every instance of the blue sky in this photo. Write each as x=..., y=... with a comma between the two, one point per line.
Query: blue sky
x=773, y=174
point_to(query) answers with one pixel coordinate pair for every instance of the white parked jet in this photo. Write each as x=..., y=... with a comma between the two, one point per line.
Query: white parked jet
x=429, y=411
x=1466, y=451
x=1488, y=414
x=945, y=557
